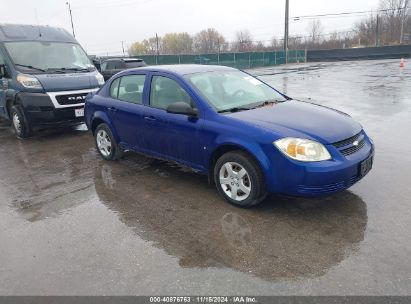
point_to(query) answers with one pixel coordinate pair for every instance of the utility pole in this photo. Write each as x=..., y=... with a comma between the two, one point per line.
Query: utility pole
x=402, y=30
x=286, y=31
x=71, y=18
x=157, y=51
x=122, y=46
x=377, y=29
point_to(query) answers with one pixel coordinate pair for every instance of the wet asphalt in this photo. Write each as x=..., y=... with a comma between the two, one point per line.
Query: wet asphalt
x=73, y=224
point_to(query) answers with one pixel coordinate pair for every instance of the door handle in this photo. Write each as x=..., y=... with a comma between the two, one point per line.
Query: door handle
x=150, y=118
x=112, y=109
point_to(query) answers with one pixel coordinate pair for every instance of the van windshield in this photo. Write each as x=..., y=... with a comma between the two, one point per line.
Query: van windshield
x=49, y=57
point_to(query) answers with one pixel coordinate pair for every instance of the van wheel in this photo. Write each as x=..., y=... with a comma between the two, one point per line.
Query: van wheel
x=239, y=179
x=19, y=122
x=106, y=143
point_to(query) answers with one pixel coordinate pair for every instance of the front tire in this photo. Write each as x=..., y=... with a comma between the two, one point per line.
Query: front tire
x=20, y=125
x=239, y=179
x=106, y=144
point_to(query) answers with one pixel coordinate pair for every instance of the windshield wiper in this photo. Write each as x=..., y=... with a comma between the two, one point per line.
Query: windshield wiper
x=65, y=70
x=267, y=103
x=235, y=109
x=30, y=67
x=255, y=106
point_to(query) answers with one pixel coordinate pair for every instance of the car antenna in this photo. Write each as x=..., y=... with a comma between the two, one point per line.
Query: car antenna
x=37, y=20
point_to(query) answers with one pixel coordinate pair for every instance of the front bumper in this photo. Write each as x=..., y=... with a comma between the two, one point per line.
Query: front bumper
x=42, y=110
x=317, y=179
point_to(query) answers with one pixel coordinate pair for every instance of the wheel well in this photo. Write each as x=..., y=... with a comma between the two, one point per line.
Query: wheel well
x=9, y=104
x=96, y=122
x=220, y=151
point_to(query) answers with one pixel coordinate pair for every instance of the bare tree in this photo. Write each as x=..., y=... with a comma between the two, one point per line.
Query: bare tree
x=151, y=45
x=243, y=41
x=209, y=41
x=394, y=19
x=177, y=43
x=315, y=31
x=137, y=48
x=275, y=44
x=367, y=30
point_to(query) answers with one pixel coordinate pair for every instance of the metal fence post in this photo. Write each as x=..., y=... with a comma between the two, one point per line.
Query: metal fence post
x=249, y=60
x=275, y=58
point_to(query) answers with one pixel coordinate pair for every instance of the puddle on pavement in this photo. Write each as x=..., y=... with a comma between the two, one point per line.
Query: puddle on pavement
x=178, y=211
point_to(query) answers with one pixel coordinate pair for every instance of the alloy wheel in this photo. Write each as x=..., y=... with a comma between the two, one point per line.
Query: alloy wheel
x=104, y=143
x=16, y=122
x=235, y=181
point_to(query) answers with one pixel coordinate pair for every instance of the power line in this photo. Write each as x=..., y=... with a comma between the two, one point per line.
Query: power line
x=345, y=13
x=112, y=4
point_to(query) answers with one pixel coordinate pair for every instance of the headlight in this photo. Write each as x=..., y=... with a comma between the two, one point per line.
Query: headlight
x=302, y=149
x=100, y=79
x=29, y=81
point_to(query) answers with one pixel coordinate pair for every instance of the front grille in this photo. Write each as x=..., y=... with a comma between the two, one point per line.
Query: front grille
x=347, y=141
x=347, y=147
x=353, y=149
x=71, y=98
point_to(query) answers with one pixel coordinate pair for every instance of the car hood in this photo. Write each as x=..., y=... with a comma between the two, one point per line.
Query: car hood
x=68, y=81
x=296, y=118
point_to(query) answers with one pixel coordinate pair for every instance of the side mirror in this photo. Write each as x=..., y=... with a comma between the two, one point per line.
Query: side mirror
x=183, y=108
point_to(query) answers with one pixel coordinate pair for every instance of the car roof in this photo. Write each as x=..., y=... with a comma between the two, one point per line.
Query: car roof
x=124, y=59
x=184, y=69
x=23, y=32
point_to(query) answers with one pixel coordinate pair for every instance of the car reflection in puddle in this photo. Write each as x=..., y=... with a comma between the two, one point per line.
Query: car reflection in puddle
x=283, y=238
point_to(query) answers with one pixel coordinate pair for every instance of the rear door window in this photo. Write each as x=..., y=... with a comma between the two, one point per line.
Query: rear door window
x=131, y=88
x=114, y=88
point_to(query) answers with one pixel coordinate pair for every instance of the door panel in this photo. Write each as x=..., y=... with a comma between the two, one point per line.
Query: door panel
x=126, y=109
x=172, y=136
x=128, y=121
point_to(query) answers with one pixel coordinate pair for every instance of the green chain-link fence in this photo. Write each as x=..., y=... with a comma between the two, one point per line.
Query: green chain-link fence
x=237, y=60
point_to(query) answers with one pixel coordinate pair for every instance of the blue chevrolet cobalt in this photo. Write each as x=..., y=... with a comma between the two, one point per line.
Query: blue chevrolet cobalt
x=247, y=137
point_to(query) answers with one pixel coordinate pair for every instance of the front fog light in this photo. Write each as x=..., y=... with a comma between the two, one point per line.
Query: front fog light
x=302, y=149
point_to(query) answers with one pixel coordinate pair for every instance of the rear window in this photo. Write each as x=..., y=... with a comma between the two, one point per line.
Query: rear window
x=115, y=65
x=134, y=64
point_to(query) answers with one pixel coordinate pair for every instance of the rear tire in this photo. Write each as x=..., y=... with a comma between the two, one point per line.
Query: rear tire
x=19, y=122
x=239, y=179
x=106, y=144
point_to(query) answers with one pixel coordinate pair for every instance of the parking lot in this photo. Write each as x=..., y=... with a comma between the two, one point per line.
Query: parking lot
x=73, y=224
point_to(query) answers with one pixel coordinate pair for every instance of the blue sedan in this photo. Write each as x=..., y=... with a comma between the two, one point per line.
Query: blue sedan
x=247, y=137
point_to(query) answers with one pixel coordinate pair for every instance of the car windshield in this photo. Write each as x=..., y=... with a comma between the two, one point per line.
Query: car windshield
x=233, y=90
x=40, y=57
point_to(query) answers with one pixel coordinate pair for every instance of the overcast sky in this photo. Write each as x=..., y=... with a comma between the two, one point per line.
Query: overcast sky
x=101, y=25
